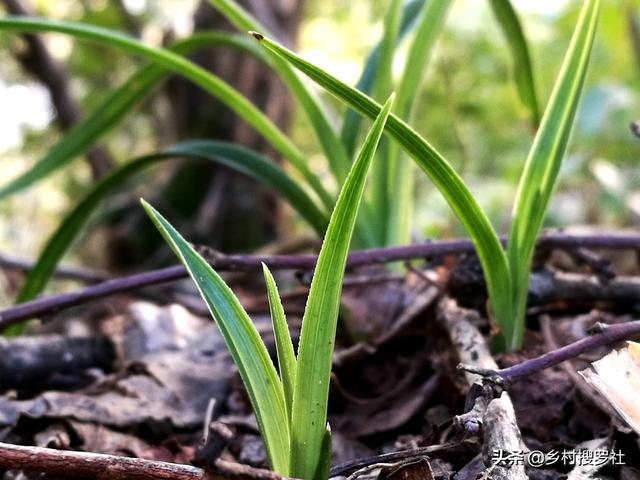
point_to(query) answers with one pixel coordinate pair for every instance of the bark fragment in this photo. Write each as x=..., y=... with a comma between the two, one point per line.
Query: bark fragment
x=497, y=419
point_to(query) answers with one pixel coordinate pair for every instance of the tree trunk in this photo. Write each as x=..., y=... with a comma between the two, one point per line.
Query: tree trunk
x=211, y=204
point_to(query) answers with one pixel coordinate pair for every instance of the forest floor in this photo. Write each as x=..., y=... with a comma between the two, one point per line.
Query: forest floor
x=146, y=375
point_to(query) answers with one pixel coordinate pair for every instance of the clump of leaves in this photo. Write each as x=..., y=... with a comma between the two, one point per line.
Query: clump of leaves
x=291, y=407
x=385, y=218
x=388, y=210
x=507, y=270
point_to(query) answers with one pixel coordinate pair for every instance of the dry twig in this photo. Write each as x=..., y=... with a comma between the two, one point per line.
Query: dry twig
x=392, y=457
x=111, y=467
x=56, y=303
x=606, y=334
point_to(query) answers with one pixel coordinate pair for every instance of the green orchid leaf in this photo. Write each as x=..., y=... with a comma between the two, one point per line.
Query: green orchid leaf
x=352, y=119
x=284, y=345
x=464, y=205
x=243, y=341
x=522, y=67
x=400, y=172
x=315, y=352
x=238, y=158
x=324, y=466
x=545, y=158
x=178, y=64
x=376, y=209
x=383, y=79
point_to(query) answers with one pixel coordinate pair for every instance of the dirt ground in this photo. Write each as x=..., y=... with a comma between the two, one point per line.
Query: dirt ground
x=134, y=376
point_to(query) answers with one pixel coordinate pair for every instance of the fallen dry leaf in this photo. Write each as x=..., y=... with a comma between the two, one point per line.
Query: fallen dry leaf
x=617, y=377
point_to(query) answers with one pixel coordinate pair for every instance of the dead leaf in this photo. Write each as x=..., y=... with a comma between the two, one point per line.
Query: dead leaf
x=617, y=377
x=419, y=469
x=176, y=364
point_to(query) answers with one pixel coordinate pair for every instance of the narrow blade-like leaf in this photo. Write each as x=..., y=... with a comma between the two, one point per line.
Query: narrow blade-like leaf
x=384, y=78
x=353, y=119
x=334, y=150
x=376, y=210
x=309, y=419
x=445, y=178
x=209, y=82
x=115, y=107
x=430, y=24
x=544, y=160
x=284, y=346
x=522, y=67
x=400, y=173
x=243, y=340
x=238, y=158
x=324, y=466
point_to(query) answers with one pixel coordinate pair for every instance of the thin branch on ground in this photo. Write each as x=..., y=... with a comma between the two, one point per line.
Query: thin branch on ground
x=252, y=263
x=549, y=286
x=55, y=303
x=607, y=334
x=578, y=381
x=62, y=272
x=111, y=467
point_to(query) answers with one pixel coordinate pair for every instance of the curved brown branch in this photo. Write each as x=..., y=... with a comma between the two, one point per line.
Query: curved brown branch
x=56, y=303
x=62, y=272
x=111, y=467
x=607, y=334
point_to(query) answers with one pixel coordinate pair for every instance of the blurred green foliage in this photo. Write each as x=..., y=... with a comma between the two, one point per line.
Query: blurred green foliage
x=468, y=109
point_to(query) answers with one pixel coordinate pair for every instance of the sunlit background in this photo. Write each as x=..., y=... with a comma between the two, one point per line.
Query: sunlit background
x=468, y=109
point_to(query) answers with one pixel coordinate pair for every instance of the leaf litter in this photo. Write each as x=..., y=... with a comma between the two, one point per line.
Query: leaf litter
x=394, y=388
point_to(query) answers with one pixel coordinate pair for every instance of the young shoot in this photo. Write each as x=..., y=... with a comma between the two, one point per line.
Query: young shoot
x=290, y=405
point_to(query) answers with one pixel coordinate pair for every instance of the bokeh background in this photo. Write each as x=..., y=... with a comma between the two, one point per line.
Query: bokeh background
x=468, y=108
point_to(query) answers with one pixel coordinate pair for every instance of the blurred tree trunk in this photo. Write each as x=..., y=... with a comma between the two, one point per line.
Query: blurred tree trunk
x=36, y=60
x=212, y=204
